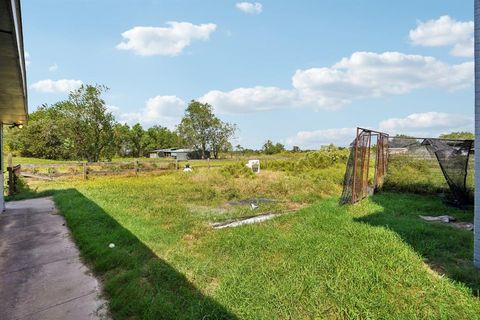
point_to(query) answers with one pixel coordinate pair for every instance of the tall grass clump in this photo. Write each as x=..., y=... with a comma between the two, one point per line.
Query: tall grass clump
x=407, y=174
x=326, y=157
x=237, y=170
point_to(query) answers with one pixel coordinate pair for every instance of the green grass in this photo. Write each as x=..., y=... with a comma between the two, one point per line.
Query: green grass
x=374, y=260
x=27, y=160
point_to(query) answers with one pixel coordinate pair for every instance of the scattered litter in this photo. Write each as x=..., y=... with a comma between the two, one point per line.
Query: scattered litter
x=249, y=201
x=253, y=206
x=111, y=245
x=248, y=220
x=450, y=221
x=254, y=165
x=463, y=225
x=445, y=219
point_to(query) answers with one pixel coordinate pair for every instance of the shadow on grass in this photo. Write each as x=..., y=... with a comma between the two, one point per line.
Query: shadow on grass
x=138, y=284
x=445, y=249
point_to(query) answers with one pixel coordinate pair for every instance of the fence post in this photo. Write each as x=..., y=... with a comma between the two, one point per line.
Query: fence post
x=10, y=173
x=85, y=171
x=176, y=164
x=208, y=163
x=135, y=165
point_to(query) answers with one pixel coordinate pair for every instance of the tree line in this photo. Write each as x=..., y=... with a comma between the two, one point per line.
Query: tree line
x=82, y=128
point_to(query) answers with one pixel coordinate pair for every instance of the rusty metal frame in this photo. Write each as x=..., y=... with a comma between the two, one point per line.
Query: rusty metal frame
x=382, y=145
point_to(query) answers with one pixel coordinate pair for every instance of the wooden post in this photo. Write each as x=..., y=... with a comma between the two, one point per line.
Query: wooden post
x=85, y=171
x=10, y=160
x=208, y=163
x=10, y=173
x=135, y=165
x=176, y=164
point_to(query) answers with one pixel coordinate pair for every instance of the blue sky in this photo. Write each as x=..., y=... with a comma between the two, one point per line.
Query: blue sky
x=299, y=72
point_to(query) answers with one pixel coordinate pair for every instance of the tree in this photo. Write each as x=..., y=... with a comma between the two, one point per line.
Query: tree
x=90, y=123
x=201, y=129
x=462, y=135
x=158, y=137
x=121, y=133
x=220, y=137
x=136, y=140
x=270, y=148
x=46, y=135
x=240, y=149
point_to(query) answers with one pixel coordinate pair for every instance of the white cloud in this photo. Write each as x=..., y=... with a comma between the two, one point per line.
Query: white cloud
x=169, y=41
x=55, y=86
x=53, y=67
x=369, y=74
x=430, y=123
x=163, y=110
x=315, y=139
x=113, y=109
x=426, y=124
x=250, y=7
x=243, y=100
x=362, y=75
x=445, y=31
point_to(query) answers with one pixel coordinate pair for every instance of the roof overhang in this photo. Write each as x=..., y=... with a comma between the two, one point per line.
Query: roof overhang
x=13, y=82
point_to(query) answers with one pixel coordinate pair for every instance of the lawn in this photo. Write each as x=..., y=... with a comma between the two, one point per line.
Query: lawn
x=374, y=260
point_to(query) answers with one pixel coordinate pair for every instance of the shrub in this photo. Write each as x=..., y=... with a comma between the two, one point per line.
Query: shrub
x=237, y=170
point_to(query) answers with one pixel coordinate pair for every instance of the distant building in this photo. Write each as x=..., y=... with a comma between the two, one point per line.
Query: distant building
x=178, y=153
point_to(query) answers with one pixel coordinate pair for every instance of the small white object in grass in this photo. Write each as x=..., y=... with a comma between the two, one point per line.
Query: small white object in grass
x=254, y=165
x=253, y=206
x=111, y=245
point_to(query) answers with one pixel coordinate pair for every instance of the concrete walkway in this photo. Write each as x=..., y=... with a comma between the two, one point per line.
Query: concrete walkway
x=41, y=275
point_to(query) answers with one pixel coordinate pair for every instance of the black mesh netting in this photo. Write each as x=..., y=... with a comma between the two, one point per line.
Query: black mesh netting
x=346, y=196
x=416, y=165
x=453, y=157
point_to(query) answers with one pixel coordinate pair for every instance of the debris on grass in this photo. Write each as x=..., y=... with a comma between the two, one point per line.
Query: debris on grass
x=246, y=220
x=249, y=201
x=445, y=219
x=452, y=221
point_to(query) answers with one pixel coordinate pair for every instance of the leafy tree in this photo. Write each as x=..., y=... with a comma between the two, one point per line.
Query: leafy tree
x=46, y=136
x=136, y=137
x=270, y=148
x=90, y=123
x=221, y=134
x=240, y=149
x=158, y=137
x=463, y=135
x=121, y=133
x=201, y=129
x=77, y=128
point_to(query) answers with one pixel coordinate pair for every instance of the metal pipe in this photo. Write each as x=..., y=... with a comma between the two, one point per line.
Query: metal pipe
x=354, y=167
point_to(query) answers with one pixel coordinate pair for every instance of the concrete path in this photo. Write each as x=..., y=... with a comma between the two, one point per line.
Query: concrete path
x=41, y=275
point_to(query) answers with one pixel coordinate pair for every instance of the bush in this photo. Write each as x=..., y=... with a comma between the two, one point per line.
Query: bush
x=321, y=159
x=237, y=170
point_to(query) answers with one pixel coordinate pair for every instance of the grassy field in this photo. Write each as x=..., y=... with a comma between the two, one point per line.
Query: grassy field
x=374, y=260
